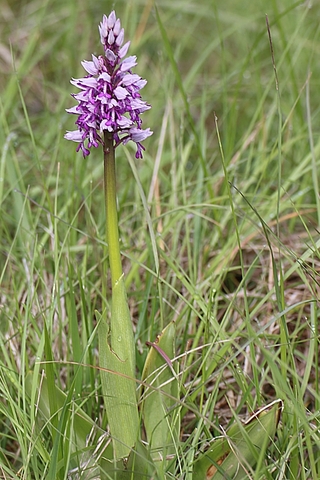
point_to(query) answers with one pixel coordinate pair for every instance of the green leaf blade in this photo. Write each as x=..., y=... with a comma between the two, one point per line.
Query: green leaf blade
x=233, y=455
x=161, y=419
x=117, y=362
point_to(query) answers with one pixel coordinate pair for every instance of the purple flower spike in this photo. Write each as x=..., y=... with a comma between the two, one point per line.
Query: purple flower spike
x=109, y=97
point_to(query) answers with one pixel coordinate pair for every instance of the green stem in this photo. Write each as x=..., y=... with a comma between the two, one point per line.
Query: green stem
x=112, y=230
x=116, y=341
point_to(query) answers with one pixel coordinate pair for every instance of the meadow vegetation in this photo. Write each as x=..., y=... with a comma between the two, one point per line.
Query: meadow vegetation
x=219, y=223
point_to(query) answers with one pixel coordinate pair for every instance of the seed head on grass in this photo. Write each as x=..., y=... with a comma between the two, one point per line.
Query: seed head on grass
x=109, y=99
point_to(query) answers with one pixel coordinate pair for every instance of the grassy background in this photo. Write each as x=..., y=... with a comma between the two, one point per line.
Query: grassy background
x=230, y=177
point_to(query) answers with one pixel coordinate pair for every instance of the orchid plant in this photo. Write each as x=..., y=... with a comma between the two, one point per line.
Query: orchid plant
x=109, y=113
x=109, y=108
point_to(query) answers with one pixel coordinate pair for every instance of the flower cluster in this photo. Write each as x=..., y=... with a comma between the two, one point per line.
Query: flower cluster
x=109, y=98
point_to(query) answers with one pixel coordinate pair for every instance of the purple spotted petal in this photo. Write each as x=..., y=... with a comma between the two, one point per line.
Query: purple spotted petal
x=75, y=136
x=124, y=50
x=138, y=135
